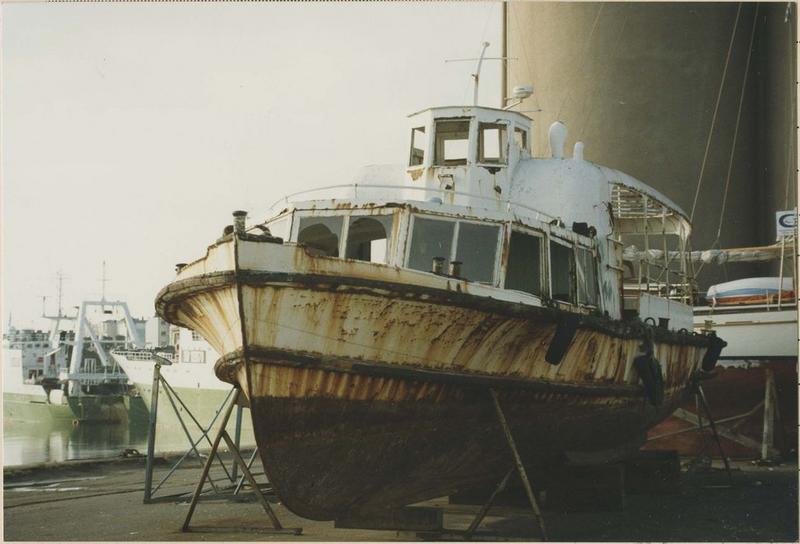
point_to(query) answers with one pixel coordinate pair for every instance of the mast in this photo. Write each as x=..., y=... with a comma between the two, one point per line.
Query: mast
x=477, y=74
x=60, y=277
x=103, y=281
x=504, y=54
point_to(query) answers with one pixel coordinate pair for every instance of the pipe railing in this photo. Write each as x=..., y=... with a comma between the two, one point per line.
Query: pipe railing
x=541, y=216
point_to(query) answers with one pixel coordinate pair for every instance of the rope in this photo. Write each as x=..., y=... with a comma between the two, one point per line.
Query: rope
x=736, y=128
x=584, y=56
x=790, y=175
x=531, y=71
x=716, y=110
x=618, y=47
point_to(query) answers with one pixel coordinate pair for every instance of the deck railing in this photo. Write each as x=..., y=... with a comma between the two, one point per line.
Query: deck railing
x=508, y=204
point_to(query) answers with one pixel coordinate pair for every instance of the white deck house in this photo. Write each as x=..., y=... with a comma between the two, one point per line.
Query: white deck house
x=471, y=203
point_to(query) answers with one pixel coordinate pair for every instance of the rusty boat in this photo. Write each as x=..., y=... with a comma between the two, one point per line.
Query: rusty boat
x=368, y=325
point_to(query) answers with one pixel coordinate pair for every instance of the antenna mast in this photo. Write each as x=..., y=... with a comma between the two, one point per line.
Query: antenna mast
x=477, y=75
x=504, y=37
x=104, y=280
x=60, y=277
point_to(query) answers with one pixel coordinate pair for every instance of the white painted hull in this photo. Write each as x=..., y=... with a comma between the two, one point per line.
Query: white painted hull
x=753, y=334
x=199, y=376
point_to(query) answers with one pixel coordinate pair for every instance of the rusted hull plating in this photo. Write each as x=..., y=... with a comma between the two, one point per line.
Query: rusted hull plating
x=369, y=394
x=328, y=457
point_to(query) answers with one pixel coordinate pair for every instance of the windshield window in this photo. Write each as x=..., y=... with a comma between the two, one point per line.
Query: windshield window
x=477, y=250
x=367, y=238
x=524, y=269
x=587, y=280
x=418, y=143
x=492, y=143
x=321, y=234
x=452, y=142
x=562, y=265
x=430, y=238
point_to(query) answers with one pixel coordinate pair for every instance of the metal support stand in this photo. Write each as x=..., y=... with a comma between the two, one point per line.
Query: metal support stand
x=237, y=433
x=519, y=466
x=485, y=508
x=770, y=411
x=277, y=528
x=701, y=397
x=174, y=400
x=151, y=434
x=241, y=478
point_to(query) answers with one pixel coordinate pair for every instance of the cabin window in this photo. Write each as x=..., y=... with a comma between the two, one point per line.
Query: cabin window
x=280, y=227
x=367, y=238
x=586, y=276
x=521, y=138
x=321, y=234
x=430, y=238
x=452, y=142
x=524, y=268
x=492, y=143
x=419, y=141
x=196, y=337
x=477, y=251
x=193, y=356
x=562, y=266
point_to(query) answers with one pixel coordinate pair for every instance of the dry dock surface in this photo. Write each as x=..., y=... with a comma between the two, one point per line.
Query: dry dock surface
x=103, y=501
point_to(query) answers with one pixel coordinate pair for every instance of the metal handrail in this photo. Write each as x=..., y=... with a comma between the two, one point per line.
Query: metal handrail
x=355, y=187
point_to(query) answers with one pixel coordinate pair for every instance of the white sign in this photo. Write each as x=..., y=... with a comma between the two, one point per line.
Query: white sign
x=786, y=222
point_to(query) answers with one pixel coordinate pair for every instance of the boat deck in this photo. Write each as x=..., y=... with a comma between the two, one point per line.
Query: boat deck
x=90, y=501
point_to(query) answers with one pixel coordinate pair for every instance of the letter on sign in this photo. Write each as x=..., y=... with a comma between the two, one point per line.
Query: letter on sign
x=785, y=222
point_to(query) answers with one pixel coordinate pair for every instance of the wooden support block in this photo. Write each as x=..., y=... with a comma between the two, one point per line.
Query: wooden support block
x=657, y=471
x=410, y=518
x=575, y=488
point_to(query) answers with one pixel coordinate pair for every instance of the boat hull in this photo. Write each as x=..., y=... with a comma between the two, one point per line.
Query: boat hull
x=754, y=335
x=369, y=386
x=86, y=408
x=398, y=441
x=21, y=407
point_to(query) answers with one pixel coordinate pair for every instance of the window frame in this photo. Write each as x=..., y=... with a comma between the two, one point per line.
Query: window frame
x=526, y=138
x=411, y=148
x=297, y=215
x=544, y=259
x=496, y=276
x=569, y=244
x=592, y=249
x=470, y=120
x=504, y=152
x=390, y=244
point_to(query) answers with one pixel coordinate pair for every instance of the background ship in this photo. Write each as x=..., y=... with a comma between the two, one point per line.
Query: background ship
x=69, y=373
x=187, y=366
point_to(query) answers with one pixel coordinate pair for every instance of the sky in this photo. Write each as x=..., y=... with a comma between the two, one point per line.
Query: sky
x=130, y=132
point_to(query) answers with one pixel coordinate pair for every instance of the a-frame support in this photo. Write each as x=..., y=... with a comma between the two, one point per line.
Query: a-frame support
x=277, y=528
x=523, y=475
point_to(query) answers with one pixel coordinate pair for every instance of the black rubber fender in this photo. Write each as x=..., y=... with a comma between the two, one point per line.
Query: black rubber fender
x=649, y=370
x=565, y=332
x=713, y=352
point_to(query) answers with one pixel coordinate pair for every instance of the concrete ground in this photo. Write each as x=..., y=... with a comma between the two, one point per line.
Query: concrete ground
x=103, y=501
